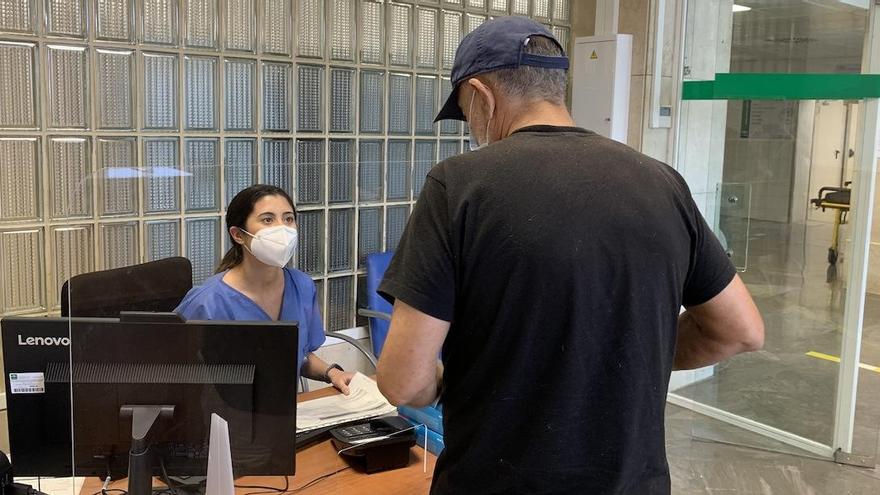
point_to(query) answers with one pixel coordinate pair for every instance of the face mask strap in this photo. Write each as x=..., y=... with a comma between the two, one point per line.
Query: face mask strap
x=488, y=122
x=253, y=236
x=246, y=232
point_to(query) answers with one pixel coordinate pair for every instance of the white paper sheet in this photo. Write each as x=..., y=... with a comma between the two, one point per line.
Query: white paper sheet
x=364, y=401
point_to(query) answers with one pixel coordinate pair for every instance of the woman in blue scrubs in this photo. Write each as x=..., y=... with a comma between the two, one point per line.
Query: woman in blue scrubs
x=253, y=283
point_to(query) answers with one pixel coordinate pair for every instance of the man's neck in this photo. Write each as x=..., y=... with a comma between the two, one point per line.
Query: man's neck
x=541, y=113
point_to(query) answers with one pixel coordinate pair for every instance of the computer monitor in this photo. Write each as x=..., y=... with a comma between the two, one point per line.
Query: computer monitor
x=244, y=371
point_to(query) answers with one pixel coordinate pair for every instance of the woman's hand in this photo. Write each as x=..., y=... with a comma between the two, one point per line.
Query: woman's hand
x=340, y=379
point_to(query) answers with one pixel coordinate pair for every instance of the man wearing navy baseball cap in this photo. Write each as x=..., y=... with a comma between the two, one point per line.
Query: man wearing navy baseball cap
x=549, y=266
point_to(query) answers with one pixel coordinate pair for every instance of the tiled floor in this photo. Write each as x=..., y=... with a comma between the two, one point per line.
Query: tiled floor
x=782, y=386
x=706, y=467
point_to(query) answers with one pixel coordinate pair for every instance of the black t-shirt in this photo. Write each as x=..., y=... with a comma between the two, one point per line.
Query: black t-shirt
x=561, y=258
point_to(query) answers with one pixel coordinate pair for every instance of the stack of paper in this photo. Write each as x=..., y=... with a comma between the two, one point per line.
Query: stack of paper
x=363, y=402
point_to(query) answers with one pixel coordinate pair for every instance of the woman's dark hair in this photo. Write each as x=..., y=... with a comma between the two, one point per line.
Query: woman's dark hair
x=239, y=209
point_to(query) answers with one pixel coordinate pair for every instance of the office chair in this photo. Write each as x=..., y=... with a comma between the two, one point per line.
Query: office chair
x=157, y=286
x=377, y=310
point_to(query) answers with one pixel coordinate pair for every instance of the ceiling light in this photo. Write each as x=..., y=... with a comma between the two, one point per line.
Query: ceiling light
x=741, y=8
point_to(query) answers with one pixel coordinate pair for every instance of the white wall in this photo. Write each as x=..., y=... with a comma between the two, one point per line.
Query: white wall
x=638, y=18
x=703, y=123
x=803, y=159
x=827, y=159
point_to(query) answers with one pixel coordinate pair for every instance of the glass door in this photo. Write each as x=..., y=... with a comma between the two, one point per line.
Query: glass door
x=781, y=170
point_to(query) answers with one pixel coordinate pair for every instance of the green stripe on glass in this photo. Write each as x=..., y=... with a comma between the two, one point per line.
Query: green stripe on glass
x=784, y=87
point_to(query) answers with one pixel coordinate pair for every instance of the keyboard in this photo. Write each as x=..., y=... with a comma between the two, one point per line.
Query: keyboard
x=311, y=437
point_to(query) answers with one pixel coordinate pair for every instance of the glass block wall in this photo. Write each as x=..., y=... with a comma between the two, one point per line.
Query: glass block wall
x=127, y=126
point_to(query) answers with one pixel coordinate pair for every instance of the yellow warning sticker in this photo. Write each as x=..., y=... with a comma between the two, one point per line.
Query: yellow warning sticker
x=594, y=56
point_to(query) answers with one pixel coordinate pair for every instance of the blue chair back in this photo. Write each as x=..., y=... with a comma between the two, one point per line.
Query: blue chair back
x=376, y=265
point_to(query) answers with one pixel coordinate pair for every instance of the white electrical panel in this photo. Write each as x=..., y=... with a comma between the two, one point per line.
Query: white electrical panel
x=601, y=69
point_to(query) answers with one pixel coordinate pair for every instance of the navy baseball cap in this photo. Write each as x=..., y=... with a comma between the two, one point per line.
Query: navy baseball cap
x=497, y=44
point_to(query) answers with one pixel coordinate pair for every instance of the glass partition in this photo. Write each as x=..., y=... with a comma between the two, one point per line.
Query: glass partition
x=734, y=220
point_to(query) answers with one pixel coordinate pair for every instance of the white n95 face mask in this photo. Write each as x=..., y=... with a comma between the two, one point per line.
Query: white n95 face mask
x=274, y=246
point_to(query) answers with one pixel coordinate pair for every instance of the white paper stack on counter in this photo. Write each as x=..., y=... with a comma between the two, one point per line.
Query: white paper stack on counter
x=363, y=402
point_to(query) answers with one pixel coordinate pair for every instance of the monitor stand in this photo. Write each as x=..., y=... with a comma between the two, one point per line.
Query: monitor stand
x=140, y=456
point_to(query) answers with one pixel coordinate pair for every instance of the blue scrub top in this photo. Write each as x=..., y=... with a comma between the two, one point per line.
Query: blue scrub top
x=217, y=300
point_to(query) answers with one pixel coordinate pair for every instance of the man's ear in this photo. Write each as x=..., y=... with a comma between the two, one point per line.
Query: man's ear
x=487, y=96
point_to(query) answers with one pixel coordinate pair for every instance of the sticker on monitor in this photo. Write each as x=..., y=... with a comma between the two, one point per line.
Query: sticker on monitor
x=27, y=383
